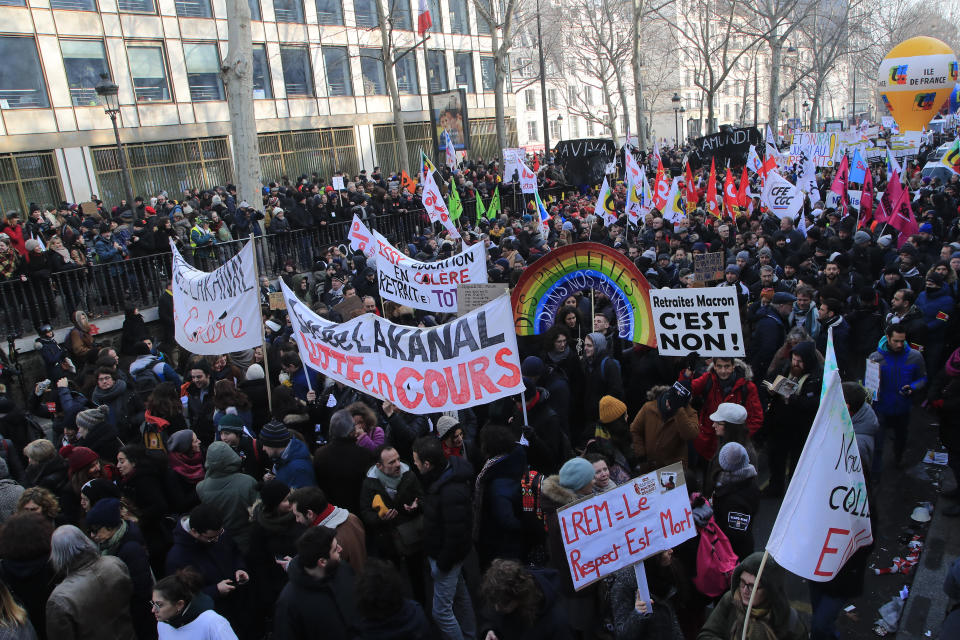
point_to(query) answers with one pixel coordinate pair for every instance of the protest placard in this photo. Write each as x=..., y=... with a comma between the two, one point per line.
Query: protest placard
x=276, y=301
x=625, y=525
x=708, y=266
x=338, y=183
x=216, y=312
x=430, y=286
x=474, y=295
x=88, y=208
x=350, y=308
x=470, y=361
x=703, y=320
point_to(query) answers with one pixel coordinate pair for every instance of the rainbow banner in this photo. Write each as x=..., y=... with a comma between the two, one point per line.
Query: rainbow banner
x=546, y=283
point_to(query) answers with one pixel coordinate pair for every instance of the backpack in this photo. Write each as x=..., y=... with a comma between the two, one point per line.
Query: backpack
x=153, y=440
x=715, y=559
x=145, y=382
x=530, y=498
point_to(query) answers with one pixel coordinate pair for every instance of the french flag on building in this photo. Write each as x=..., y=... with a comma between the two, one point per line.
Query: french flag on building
x=423, y=20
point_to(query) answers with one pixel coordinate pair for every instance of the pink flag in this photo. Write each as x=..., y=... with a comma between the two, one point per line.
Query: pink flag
x=901, y=218
x=840, y=181
x=866, y=198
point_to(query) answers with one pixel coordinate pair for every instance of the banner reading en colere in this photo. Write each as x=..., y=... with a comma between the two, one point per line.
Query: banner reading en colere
x=470, y=361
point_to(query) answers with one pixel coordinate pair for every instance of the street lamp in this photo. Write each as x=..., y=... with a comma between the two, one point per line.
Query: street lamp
x=108, y=90
x=682, y=111
x=560, y=126
x=676, y=114
x=806, y=107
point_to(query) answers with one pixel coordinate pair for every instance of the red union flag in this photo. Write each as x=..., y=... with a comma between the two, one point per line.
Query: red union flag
x=730, y=204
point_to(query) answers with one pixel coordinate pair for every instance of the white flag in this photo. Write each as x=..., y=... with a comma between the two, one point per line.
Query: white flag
x=450, y=152
x=436, y=208
x=361, y=239
x=656, y=154
x=528, y=179
x=807, y=181
x=825, y=515
x=754, y=163
x=602, y=209
x=674, y=210
x=216, y=312
x=782, y=198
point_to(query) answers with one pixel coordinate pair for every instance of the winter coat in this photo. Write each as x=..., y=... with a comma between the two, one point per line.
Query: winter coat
x=132, y=549
x=200, y=411
x=867, y=429
x=380, y=532
x=945, y=399
x=549, y=445
x=914, y=324
x=629, y=624
x=734, y=508
x=294, y=467
x=307, y=604
x=272, y=535
x=551, y=619
x=233, y=491
x=31, y=581
x=896, y=371
x=214, y=562
x=340, y=468
x=10, y=492
x=937, y=307
x=104, y=439
x=92, y=603
x=350, y=536
x=499, y=511
x=52, y=475
x=709, y=387
x=769, y=332
x=447, y=513
x=209, y=625
x=144, y=491
x=841, y=342
x=122, y=407
x=726, y=620
x=658, y=442
x=410, y=623
x=602, y=377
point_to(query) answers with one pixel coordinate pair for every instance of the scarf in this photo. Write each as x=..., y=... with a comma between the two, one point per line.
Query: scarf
x=479, y=485
x=759, y=621
x=110, y=546
x=389, y=482
x=188, y=465
x=64, y=253
x=557, y=358
x=726, y=478
x=449, y=451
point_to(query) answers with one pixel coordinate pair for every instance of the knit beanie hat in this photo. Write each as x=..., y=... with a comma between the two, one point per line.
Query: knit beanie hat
x=78, y=458
x=445, y=424
x=231, y=422
x=255, y=372
x=734, y=459
x=180, y=442
x=106, y=513
x=31, y=244
x=272, y=494
x=274, y=434
x=576, y=473
x=98, y=489
x=90, y=418
x=611, y=409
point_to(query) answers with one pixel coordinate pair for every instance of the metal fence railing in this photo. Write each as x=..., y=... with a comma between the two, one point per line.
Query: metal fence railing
x=105, y=289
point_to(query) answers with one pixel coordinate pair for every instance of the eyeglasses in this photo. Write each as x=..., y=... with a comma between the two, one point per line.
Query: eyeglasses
x=747, y=586
x=157, y=605
x=206, y=537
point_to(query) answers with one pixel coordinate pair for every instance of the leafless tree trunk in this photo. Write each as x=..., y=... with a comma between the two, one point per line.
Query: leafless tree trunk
x=237, y=73
x=390, y=76
x=501, y=39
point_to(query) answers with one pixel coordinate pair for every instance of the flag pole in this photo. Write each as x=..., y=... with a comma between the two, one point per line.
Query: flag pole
x=266, y=355
x=756, y=586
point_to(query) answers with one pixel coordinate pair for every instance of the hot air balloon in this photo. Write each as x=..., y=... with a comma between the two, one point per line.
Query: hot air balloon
x=916, y=79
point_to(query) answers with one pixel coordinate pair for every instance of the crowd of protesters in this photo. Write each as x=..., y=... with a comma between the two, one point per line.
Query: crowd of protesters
x=174, y=497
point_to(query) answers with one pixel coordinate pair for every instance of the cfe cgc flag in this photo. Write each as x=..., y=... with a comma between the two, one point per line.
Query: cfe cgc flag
x=825, y=515
x=783, y=199
x=216, y=312
x=470, y=361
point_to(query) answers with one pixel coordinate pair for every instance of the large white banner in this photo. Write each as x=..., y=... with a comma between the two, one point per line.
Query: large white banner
x=825, y=149
x=431, y=286
x=217, y=312
x=511, y=159
x=703, y=320
x=824, y=517
x=782, y=198
x=622, y=526
x=470, y=361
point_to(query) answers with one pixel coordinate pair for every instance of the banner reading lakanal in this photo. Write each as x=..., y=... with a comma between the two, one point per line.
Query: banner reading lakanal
x=470, y=361
x=216, y=312
x=704, y=320
x=825, y=514
x=430, y=286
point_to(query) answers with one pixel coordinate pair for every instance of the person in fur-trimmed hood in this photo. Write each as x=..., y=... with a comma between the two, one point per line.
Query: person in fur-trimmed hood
x=661, y=429
x=726, y=380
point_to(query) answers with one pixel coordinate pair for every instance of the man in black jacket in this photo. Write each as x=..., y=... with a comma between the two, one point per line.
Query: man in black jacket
x=319, y=595
x=447, y=534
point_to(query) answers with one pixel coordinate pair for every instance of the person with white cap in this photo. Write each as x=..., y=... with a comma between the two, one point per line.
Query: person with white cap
x=729, y=424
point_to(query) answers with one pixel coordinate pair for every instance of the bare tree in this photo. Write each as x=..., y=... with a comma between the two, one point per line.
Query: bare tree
x=641, y=14
x=389, y=57
x=237, y=73
x=499, y=17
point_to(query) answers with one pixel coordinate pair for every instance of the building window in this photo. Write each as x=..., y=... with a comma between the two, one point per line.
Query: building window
x=329, y=12
x=571, y=95
x=255, y=10
x=726, y=112
x=575, y=127
x=149, y=72
x=488, y=73
x=29, y=177
x=590, y=128
x=400, y=14
x=136, y=6
x=553, y=99
x=463, y=70
x=262, y=87
x=84, y=61
x=406, y=71
x=297, y=74
x=555, y=130
x=371, y=68
x=194, y=8
x=338, y=71
x=588, y=98
x=459, y=20
x=69, y=5
x=13, y=3
x=288, y=11
x=203, y=71
x=483, y=27
x=531, y=98
x=532, y=127
x=436, y=19
x=437, y=70
x=365, y=12
x=21, y=77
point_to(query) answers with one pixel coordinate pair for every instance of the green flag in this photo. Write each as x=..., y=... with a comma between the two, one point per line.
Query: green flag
x=494, y=209
x=481, y=214
x=454, y=203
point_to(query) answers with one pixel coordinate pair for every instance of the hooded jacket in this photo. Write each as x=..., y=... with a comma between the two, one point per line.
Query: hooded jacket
x=743, y=392
x=233, y=491
x=896, y=371
x=937, y=307
x=661, y=442
x=448, y=514
x=866, y=427
x=294, y=467
x=726, y=621
x=308, y=604
x=553, y=497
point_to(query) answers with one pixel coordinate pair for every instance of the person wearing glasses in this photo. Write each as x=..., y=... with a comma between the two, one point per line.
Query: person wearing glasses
x=199, y=541
x=771, y=617
x=183, y=610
